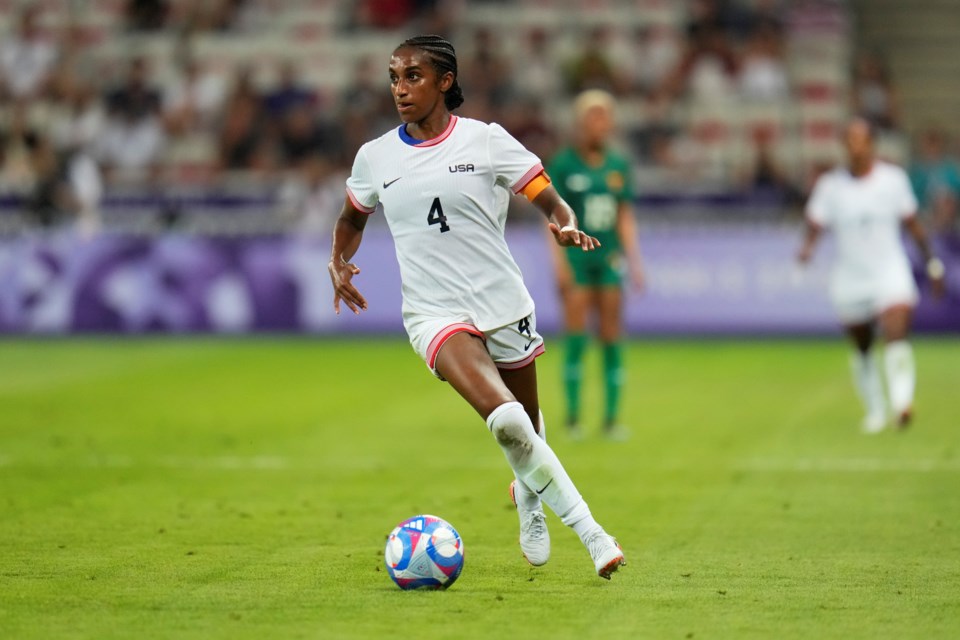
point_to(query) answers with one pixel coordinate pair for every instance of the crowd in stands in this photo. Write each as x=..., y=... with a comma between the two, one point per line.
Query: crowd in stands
x=708, y=97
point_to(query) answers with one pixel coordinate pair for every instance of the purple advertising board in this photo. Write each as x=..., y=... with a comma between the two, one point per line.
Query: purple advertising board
x=710, y=280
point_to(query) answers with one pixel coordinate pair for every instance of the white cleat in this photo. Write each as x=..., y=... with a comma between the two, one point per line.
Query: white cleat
x=606, y=553
x=904, y=418
x=616, y=433
x=534, y=537
x=874, y=423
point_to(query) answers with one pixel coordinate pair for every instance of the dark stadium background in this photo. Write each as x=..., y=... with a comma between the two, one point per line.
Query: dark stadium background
x=171, y=166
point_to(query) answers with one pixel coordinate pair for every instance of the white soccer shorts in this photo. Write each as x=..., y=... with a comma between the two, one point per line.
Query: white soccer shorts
x=513, y=346
x=862, y=307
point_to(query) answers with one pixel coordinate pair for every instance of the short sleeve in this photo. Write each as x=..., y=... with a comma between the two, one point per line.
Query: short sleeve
x=818, y=208
x=361, y=189
x=513, y=165
x=906, y=200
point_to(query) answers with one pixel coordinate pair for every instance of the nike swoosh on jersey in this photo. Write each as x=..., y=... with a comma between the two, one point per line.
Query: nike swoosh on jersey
x=387, y=184
x=527, y=346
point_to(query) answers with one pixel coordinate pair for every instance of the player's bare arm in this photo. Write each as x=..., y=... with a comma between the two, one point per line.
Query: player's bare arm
x=627, y=231
x=810, y=237
x=347, y=235
x=934, y=265
x=561, y=266
x=563, y=221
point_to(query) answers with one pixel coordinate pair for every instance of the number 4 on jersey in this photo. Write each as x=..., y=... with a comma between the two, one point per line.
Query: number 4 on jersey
x=436, y=216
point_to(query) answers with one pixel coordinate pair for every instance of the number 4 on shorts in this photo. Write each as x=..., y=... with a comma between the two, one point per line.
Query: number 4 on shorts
x=436, y=216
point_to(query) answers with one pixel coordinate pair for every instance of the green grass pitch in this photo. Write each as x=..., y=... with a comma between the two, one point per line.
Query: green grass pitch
x=243, y=489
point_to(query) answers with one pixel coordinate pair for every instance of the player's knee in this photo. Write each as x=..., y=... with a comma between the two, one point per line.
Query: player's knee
x=509, y=432
x=576, y=320
x=610, y=328
x=896, y=334
x=511, y=427
x=609, y=334
x=895, y=330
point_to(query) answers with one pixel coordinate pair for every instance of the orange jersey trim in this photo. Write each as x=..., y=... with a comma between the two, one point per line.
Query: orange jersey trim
x=536, y=186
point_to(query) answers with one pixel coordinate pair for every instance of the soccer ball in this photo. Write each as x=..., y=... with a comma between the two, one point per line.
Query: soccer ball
x=424, y=552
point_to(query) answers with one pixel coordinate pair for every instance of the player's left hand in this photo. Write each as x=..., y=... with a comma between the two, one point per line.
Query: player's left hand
x=937, y=274
x=939, y=286
x=572, y=237
x=638, y=279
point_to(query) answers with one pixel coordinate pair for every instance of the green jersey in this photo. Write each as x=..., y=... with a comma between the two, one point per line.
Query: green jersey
x=594, y=193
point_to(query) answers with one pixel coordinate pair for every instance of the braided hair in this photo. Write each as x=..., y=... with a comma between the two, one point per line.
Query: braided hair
x=443, y=57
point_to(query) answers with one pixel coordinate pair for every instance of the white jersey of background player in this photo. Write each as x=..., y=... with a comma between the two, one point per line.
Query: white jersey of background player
x=444, y=183
x=871, y=271
x=865, y=205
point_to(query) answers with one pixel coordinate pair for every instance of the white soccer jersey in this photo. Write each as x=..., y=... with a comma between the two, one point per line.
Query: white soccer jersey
x=445, y=201
x=865, y=216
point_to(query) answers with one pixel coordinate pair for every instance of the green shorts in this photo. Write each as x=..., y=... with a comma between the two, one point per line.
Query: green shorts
x=597, y=268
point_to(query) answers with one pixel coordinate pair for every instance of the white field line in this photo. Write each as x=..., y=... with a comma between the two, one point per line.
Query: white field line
x=848, y=465
x=279, y=463
x=226, y=462
x=216, y=463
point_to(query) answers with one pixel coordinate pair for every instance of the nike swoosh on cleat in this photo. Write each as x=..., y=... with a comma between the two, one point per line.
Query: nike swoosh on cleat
x=545, y=487
x=387, y=184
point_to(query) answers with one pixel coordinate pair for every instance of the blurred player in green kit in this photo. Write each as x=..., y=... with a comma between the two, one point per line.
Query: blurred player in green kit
x=596, y=181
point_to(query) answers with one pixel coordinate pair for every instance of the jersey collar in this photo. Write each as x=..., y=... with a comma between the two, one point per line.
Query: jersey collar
x=873, y=166
x=413, y=142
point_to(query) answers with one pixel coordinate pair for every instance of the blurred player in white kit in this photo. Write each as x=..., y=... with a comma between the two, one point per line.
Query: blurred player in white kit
x=865, y=204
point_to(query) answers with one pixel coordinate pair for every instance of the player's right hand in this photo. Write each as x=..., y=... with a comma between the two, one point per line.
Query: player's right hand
x=572, y=237
x=341, y=273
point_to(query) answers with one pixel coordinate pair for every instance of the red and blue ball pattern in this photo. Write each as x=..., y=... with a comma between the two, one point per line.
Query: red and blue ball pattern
x=424, y=552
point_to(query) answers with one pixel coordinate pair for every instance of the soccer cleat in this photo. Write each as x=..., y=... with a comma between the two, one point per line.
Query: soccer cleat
x=616, y=433
x=534, y=537
x=873, y=423
x=904, y=419
x=606, y=553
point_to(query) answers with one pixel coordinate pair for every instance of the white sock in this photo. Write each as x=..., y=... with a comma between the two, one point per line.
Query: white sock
x=535, y=463
x=526, y=497
x=901, y=374
x=866, y=376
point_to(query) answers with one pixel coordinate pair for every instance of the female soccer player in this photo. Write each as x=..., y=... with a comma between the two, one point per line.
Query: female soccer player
x=444, y=183
x=596, y=181
x=865, y=204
